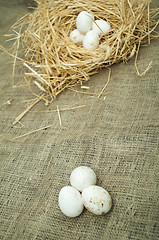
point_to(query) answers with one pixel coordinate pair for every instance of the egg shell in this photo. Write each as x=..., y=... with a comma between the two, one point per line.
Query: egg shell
x=84, y=22
x=101, y=27
x=91, y=40
x=97, y=200
x=70, y=201
x=76, y=36
x=82, y=177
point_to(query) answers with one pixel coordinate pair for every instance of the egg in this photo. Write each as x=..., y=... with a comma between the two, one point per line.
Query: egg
x=97, y=200
x=84, y=22
x=76, y=36
x=70, y=201
x=91, y=40
x=82, y=177
x=101, y=27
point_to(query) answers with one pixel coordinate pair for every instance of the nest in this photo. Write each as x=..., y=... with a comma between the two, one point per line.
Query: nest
x=53, y=63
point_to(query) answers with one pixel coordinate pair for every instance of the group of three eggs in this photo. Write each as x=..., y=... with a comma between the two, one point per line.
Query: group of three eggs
x=84, y=193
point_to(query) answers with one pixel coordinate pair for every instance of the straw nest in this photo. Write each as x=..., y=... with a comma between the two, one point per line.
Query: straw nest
x=53, y=63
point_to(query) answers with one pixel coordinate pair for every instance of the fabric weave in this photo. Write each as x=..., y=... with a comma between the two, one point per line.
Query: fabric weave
x=116, y=135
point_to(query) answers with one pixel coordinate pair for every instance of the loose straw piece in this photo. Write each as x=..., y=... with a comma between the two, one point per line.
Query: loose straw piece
x=105, y=84
x=84, y=87
x=146, y=70
x=59, y=115
x=7, y=102
x=26, y=134
x=62, y=109
x=88, y=93
x=16, y=54
x=9, y=139
x=135, y=63
x=26, y=110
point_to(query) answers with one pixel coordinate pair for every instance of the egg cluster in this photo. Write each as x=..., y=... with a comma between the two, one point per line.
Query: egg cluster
x=84, y=193
x=88, y=30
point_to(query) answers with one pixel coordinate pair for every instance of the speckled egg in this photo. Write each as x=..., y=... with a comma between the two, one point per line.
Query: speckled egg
x=97, y=200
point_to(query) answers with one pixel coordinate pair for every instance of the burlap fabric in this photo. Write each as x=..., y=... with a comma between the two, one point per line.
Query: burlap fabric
x=116, y=135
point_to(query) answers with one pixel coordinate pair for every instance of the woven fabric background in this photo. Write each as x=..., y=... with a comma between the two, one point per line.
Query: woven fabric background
x=116, y=135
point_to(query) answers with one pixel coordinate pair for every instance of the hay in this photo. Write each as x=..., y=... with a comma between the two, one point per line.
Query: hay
x=53, y=62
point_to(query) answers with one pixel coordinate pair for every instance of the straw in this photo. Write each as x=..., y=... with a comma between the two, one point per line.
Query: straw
x=54, y=63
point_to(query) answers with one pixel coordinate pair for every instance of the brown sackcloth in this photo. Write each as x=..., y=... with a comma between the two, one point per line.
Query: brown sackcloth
x=116, y=135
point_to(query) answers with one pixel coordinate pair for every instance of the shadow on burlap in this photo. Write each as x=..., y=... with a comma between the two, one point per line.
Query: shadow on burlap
x=116, y=135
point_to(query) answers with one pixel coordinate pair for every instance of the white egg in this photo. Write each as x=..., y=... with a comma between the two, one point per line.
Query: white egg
x=76, y=36
x=70, y=201
x=97, y=200
x=82, y=177
x=101, y=27
x=91, y=40
x=84, y=21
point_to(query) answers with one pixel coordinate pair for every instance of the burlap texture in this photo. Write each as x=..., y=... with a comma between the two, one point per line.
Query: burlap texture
x=116, y=135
